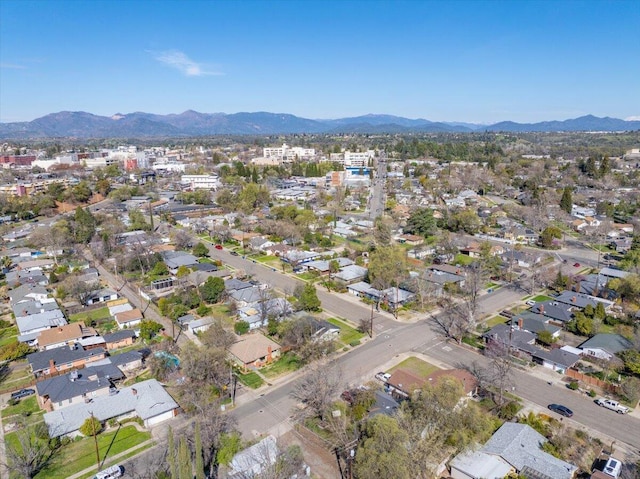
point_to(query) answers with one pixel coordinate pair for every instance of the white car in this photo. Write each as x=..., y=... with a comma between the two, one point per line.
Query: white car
x=384, y=377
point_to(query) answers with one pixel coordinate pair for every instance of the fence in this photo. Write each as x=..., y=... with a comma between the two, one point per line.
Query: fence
x=591, y=381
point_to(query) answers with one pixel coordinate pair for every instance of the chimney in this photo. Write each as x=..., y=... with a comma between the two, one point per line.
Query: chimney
x=573, y=300
x=52, y=366
x=541, y=308
x=134, y=391
x=520, y=323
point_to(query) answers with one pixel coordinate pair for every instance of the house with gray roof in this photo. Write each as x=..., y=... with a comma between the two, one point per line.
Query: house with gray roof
x=200, y=325
x=512, y=338
x=77, y=386
x=27, y=292
x=247, y=296
x=554, y=311
x=31, y=326
x=101, y=296
x=127, y=361
x=556, y=359
x=580, y=300
x=351, y=274
x=322, y=265
x=175, y=259
x=147, y=399
x=254, y=460
x=27, y=308
x=605, y=346
x=234, y=284
x=534, y=323
x=48, y=362
x=521, y=447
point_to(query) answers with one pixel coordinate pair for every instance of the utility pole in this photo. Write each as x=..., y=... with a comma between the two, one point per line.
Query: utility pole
x=95, y=439
x=371, y=323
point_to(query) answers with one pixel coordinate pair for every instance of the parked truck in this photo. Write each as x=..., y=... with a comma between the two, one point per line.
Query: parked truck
x=613, y=405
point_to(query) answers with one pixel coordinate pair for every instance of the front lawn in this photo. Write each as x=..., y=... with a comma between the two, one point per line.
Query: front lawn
x=251, y=379
x=287, y=363
x=8, y=335
x=417, y=367
x=25, y=406
x=79, y=455
x=463, y=259
x=495, y=321
x=541, y=297
x=348, y=334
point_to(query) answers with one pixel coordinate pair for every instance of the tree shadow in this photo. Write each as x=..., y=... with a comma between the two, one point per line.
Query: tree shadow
x=113, y=440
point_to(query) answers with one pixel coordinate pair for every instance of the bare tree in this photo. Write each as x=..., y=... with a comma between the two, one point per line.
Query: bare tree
x=81, y=290
x=217, y=336
x=456, y=319
x=317, y=388
x=182, y=239
x=31, y=451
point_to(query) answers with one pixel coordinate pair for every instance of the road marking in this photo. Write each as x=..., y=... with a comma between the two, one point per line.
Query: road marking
x=446, y=348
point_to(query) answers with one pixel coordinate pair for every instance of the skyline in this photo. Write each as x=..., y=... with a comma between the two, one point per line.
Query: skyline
x=477, y=62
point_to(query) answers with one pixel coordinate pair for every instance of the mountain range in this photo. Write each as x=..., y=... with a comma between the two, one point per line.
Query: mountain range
x=69, y=124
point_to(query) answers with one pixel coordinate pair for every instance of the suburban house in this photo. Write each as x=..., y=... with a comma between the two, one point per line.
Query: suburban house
x=580, y=300
x=76, y=386
x=101, y=296
x=128, y=319
x=605, y=346
x=514, y=448
x=119, y=306
x=557, y=312
x=322, y=266
x=200, y=325
x=468, y=381
x=534, y=323
x=64, y=336
x=147, y=400
x=254, y=350
x=351, y=274
x=254, y=460
x=26, y=293
x=127, y=361
x=175, y=259
x=403, y=383
x=54, y=361
x=31, y=326
x=321, y=330
x=119, y=339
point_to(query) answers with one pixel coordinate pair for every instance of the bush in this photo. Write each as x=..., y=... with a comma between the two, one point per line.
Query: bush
x=509, y=410
x=112, y=422
x=592, y=393
x=13, y=401
x=91, y=427
x=241, y=327
x=14, y=351
x=573, y=385
x=355, y=343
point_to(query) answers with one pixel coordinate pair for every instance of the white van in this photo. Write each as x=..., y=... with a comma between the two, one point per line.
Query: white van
x=613, y=467
x=109, y=473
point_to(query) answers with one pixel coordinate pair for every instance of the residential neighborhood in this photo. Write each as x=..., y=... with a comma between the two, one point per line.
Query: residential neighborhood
x=286, y=303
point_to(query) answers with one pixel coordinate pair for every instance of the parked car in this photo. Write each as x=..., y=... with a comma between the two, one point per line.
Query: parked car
x=347, y=397
x=218, y=246
x=560, y=409
x=110, y=473
x=576, y=265
x=613, y=405
x=234, y=253
x=531, y=302
x=23, y=393
x=384, y=377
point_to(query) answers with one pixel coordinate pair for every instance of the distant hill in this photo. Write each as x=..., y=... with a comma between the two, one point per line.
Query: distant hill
x=192, y=123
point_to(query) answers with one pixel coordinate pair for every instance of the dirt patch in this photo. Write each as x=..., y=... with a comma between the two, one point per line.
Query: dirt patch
x=67, y=207
x=316, y=454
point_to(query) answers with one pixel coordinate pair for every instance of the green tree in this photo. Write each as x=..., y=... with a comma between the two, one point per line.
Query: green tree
x=241, y=327
x=200, y=250
x=308, y=298
x=91, y=427
x=230, y=445
x=421, y=223
x=383, y=452
x=548, y=235
x=171, y=454
x=387, y=266
x=84, y=225
x=184, y=460
x=212, y=290
x=566, y=202
x=631, y=359
x=546, y=338
x=81, y=192
x=149, y=329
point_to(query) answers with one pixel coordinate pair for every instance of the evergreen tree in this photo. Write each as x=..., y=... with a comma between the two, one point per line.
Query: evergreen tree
x=171, y=454
x=566, y=202
x=184, y=460
x=198, y=452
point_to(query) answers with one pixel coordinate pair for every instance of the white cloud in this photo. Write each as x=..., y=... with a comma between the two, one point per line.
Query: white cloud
x=633, y=118
x=178, y=60
x=12, y=66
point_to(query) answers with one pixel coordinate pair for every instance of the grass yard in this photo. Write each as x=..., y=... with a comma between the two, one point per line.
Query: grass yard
x=416, y=366
x=87, y=316
x=287, y=363
x=79, y=455
x=307, y=276
x=541, y=297
x=26, y=405
x=495, y=321
x=348, y=334
x=252, y=379
x=463, y=259
x=8, y=335
x=16, y=380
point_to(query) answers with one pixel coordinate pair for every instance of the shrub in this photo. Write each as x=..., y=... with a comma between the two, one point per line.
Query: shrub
x=354, y=343
x=592, y=393
x=112, y=422
x=241, y=327
x=91, y=427
x=573, y=385
x=13, y=401
x=509, y=410
x=14, y=351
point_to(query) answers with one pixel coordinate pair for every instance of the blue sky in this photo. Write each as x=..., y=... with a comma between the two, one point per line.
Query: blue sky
x=471, y=61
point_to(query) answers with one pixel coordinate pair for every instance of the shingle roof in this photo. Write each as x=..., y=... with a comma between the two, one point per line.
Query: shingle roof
x=63, y=334
x=519, y=445
x=61, y=388
x=612, y=343
x=252, y=347
x=119, y=335
x=147, y=399
x=40, y=360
